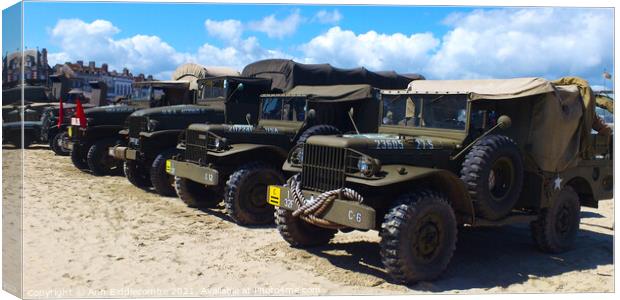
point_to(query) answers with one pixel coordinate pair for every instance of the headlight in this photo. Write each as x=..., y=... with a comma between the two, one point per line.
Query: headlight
x=368, y=166
x=220, y=143
x=297, y=157
x=151, y=125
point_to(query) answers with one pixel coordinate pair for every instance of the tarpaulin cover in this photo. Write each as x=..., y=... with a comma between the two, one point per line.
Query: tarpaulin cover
x=31, y=94
x=331, y=93
x=562, y=113
x=286, y=74
x=192, y=72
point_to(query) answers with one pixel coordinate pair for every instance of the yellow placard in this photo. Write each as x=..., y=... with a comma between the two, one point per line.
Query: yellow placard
x=274, y=195
x=168, y=166
x=69, y=131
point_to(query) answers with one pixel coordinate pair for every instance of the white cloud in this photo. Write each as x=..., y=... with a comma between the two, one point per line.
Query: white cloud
x=327, y=17
x=225, y=30
x=236, y=54
x=376, y=51
x=275, y=28
x=525, y=42
x=147, y=54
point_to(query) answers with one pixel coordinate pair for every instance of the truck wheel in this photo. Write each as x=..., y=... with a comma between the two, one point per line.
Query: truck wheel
x=78, y=156
x=557, y=226
x=195, y=194
x=298, y=233
x=54, y=144
x=418, y=237
x=493, y=174
x=136, y=174
x=99, y=162
x=162, y=181
x=317, y=130
x=245, y=193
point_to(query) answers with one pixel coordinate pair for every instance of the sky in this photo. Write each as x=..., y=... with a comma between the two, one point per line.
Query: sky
x=438, y=42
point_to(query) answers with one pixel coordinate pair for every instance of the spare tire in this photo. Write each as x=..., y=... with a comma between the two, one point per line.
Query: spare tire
x=317, y=130
x=493, y=174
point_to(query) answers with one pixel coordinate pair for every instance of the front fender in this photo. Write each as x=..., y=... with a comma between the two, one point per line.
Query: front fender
x=441, y=180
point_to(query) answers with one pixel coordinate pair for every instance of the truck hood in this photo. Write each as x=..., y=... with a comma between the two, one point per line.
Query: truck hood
x=379, y=141
x=180, y=116
x=108, y=115
x=243, y=133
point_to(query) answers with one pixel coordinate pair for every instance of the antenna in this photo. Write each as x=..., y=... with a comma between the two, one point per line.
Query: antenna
x=353, y=121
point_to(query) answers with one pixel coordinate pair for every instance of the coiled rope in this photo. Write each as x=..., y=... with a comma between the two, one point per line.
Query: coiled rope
x=312, y=211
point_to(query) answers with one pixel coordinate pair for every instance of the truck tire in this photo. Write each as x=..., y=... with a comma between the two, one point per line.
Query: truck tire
x=317, y=130
x=78, y=156
x=136, y=174
x=99, y=162
x=300, y=234
x=195, y=194
x=162, y=181
x=246, y=190
x=556, y=228
x=59, y=150
x=493, y=174
x=418, y=237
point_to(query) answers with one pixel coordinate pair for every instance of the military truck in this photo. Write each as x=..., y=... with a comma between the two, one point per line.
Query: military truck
x=153, y=133
x=26, y=116
x=53, y=131
x=448, y=154
x=206, y=172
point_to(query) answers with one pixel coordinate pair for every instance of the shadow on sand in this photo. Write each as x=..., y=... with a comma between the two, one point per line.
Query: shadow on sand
x=486, y=258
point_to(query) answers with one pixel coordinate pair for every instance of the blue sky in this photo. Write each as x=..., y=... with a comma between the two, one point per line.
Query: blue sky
x=439, y=42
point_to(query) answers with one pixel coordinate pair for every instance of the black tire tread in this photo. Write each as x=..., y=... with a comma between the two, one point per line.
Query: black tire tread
x=391, y=257
x=231, y=193
x=135, y=175
x=317, y=130
x=206, y=197
x=476, y=161
x=300, y=234
x=95, y=152
x=541, y=229
x=159, y=177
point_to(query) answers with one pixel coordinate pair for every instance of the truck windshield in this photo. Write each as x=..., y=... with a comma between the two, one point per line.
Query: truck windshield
x=284, y=108
x=145, y=93
x=214, y=89
x=425, y=111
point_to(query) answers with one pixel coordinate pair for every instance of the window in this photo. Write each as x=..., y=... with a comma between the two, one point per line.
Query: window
x=284, y=108
x=425, y=110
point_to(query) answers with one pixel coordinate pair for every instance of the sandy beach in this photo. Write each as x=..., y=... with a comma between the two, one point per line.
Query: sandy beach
x=87, y=236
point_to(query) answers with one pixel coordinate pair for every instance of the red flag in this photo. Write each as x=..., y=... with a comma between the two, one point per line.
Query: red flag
x=61, y=114
x=79, y=113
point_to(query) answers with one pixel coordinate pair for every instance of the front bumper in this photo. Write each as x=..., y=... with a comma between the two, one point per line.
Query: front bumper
x=343, y=212
x=122, y=153
x=193, y=172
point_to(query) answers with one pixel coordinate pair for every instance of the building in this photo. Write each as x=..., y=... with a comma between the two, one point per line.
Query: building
x=36, y=68
x=79, y=74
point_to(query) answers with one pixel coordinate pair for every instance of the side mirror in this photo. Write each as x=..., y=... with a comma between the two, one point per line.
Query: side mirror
x=240, y=87
x=504, y=122
x=351, y=111
x=311, y=114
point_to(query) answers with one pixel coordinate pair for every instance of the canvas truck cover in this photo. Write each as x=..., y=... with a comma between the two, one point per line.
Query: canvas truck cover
x=192, y=72
x=331, y=93
x=562, y=114
x=31, y=94
x=286, y=74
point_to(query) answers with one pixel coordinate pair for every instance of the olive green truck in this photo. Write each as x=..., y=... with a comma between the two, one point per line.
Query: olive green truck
x=450, y=154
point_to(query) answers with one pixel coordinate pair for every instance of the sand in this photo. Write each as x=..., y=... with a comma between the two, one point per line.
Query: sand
x=87, y=236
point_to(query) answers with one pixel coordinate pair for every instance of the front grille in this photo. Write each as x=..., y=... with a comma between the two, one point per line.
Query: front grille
x=136, y=125
x=197, y=144
x=323, y=168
